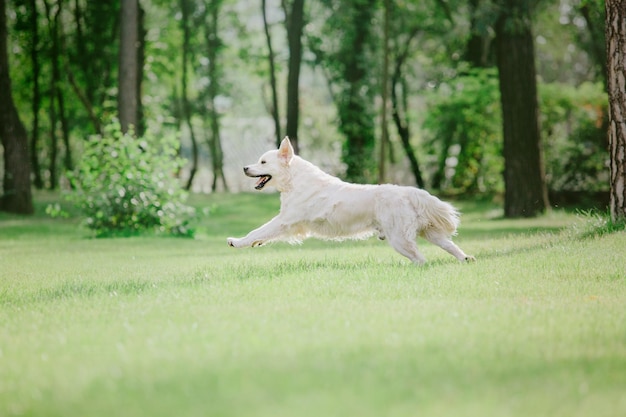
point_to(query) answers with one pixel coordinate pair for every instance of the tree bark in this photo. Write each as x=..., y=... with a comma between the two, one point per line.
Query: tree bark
x=616, y=81
x=526, y=193
x=127, y=96
x=384, y=128
x=295, y=22
x=16, y=194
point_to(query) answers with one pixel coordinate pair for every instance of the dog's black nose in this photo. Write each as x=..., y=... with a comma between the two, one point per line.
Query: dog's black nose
x=245, y=169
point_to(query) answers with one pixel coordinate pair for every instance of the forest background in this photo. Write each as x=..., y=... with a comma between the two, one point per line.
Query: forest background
x=412, y=92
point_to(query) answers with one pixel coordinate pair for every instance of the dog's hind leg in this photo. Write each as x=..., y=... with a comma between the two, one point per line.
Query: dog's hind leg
x=407, y=247
x=445, y=243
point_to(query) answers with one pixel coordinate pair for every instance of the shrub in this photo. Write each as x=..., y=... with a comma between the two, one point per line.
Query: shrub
x=573, y=123
x=126, y=185
x=463, y=130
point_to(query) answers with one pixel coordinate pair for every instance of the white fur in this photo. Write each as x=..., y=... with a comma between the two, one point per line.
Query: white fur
x=316, y=204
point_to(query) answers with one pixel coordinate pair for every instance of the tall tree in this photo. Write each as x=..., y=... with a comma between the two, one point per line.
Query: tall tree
x=187, y=56
x=410, y=22
x=616, y=51
x=57, y=98
x=294, y=22
x=400, y=108
x=36, y=101
x=16, y=194
x=127, y=95
x=526, y=193
x=52, y=20
x=274, y=110
x=384, y=139
x=345, y=49
x=356, y=114
x=214, y=47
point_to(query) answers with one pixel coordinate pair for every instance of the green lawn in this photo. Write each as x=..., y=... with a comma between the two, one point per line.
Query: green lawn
x=170, y=327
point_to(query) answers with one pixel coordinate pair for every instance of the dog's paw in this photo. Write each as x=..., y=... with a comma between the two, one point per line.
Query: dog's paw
x=257, y=243
x=233, y=242
x=470, y=258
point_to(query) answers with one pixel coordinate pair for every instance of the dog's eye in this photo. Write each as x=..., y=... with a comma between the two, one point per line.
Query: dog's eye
x=262, y=162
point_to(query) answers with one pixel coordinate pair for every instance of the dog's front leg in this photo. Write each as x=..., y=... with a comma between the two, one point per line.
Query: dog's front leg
x=269, y=231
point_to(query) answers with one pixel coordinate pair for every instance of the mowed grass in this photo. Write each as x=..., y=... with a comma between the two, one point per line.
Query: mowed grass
x=154, y=326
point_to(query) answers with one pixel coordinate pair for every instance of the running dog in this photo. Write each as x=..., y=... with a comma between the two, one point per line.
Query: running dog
x=316, y=204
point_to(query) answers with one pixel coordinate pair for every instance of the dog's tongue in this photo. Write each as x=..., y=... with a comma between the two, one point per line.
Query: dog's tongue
x=260, y=181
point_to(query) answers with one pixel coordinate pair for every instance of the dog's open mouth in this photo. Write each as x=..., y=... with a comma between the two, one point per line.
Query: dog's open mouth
x=263, y=179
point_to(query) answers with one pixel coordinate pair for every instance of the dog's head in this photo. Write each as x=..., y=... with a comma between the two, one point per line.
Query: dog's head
x=272, y=167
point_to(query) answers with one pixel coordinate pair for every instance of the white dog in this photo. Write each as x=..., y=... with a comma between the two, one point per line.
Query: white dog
x=317, y=204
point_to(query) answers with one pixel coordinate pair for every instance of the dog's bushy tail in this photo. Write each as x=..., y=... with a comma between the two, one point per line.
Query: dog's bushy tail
x=441, y=216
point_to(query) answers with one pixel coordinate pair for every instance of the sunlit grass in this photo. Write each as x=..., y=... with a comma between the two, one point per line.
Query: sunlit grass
x=149, y=326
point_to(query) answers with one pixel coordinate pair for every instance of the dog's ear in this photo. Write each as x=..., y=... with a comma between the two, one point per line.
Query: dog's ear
x=285, y=151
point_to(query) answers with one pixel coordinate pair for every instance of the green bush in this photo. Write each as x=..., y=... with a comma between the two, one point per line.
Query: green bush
x=126, y=185
x=573, y=121
x=463, y=132
x=464, y=135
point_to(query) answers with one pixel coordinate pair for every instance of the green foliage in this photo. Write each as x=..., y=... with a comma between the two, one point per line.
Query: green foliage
x=464, y=124
x=126, y=185
x=595, y=223
x=349, y=57
x=573, y=123
x=463, y=127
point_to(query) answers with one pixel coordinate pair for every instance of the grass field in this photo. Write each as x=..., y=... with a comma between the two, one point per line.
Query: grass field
x=152, y=326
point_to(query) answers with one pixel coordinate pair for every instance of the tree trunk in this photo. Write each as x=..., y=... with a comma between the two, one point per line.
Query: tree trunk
x=16, y=194
x=213, y=45
x=384, y=137
x=270, y=57
x=295, y=22
x=186, y=105
x=403, y=127
x=525, y=189
x=36, y=104
x=616, y=65
x=52, y=18
x=140, y=127
x=57, y=91
x=128, y=83
x=399, y=103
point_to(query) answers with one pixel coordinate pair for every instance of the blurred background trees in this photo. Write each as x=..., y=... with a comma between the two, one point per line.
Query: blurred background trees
x=497, y=98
